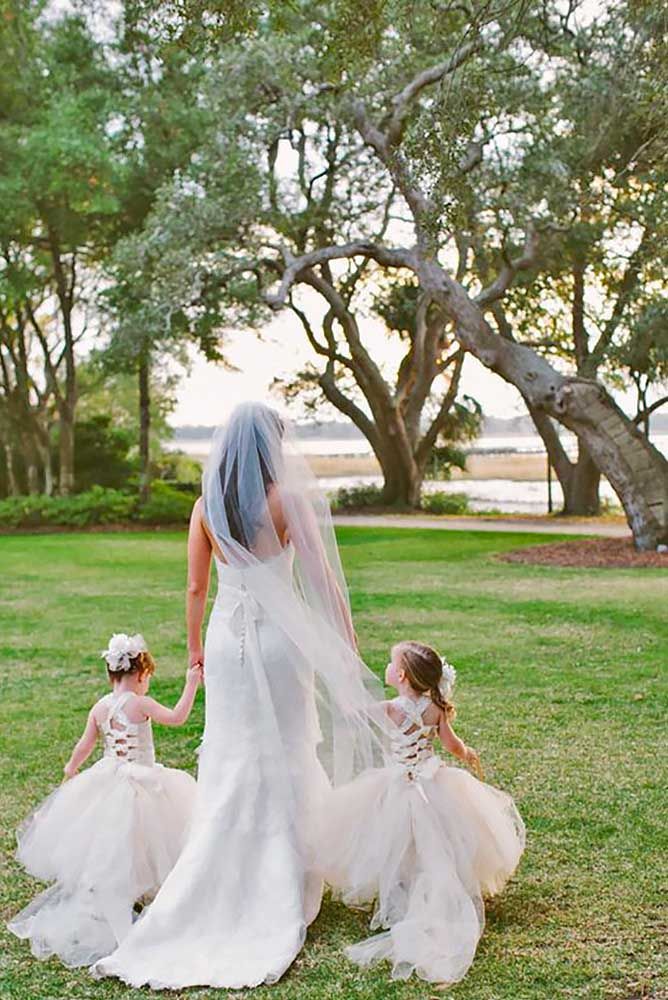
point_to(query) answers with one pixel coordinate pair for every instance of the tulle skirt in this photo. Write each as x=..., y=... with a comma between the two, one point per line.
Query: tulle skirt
x=106, y=839
x=426, y=852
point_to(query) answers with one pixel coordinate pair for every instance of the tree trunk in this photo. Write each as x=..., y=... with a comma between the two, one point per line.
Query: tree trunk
x=581, y=495
x=402, y=486
x=635, y=469
x=48, y=473
x=65, y=286
x=144, y=427
x=66, y=452
x=44, y=450
x=30, y=461
x=579, y=480
x=402, y=477
x=12, y=484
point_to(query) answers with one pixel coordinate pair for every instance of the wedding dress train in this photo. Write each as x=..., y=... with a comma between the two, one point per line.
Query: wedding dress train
x=234, y=910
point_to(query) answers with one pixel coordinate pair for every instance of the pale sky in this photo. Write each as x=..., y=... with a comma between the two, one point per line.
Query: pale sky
x=208, y=394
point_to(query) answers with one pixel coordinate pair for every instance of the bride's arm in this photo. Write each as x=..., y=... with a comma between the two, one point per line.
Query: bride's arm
x=199, y=567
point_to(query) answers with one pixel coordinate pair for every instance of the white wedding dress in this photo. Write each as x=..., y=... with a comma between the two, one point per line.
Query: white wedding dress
x=234, y=910
x=290, y=707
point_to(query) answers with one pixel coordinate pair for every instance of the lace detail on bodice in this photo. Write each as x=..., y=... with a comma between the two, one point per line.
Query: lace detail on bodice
x=126, y=741
x=412, y=746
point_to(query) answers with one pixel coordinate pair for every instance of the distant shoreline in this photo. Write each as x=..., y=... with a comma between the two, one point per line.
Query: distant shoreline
x=514, y=466
x=518, y=427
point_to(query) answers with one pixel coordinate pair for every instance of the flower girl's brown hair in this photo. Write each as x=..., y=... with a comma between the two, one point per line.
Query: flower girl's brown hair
x=424, y=672
x=142, y=663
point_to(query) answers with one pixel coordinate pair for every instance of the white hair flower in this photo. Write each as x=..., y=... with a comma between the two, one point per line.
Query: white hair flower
x=447, y=682
x=122, y=649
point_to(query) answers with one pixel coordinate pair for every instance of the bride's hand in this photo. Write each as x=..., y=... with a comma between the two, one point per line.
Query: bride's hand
x=196, y=657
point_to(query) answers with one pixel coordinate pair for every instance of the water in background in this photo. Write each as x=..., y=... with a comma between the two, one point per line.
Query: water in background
x=506, y=495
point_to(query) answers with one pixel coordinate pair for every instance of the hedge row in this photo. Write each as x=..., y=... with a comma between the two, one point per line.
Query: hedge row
x=168, y=505
x=98, y=505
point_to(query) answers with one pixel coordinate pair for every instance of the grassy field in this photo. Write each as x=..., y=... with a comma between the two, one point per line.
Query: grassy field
x=562, y=686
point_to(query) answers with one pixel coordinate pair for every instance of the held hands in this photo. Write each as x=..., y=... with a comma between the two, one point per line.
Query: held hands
x=195, y=674
x=196, y=657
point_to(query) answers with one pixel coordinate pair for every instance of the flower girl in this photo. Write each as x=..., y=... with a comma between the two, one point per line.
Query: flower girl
x=424, y=840
x=107, y=838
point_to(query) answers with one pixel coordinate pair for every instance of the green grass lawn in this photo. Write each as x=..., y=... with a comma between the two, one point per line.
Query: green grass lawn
x=562, y=687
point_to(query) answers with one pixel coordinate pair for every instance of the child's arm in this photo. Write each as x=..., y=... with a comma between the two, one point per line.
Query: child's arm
x=174, y=716
x=455, y=746
x=84, y=747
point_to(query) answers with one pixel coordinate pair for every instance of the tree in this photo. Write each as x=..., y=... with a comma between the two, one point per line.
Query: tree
x=27, y=384
x=94, y=127
x=103, y=454
x=637, y=471
x=157, y=121
x=401, y=416
x=414, y=111
x=597, y=160
x=198, y=281
x=58, y=175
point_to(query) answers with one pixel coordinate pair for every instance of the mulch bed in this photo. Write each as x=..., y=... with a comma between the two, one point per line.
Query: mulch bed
x=588, y=552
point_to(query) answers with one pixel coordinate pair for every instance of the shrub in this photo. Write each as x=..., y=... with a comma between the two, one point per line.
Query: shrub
x=166, y=505
x=101, y=454
x=178, y=468
x=353, y=497
x=445, y=503
x=96, y=506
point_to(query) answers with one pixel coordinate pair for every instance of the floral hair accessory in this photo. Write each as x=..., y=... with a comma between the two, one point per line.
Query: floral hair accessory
x=122, y=649
x=447, y=682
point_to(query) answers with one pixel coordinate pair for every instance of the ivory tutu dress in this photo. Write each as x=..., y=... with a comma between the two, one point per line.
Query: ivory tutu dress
x=106, y=839
x=426, y=842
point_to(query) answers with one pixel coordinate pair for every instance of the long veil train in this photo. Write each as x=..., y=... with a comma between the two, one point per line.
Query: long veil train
x=291, y=710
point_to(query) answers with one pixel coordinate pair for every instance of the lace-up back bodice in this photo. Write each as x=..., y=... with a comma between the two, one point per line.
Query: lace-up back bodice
x=126, y=741
x=412, y=746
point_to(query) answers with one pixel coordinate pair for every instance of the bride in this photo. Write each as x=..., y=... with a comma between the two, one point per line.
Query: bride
x=289, y=706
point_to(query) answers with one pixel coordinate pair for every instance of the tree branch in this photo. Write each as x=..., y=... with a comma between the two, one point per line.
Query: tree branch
x=497, y=288
x=344, y=404
x=627, y=286
x=429, y=439
x=643, y=414
x=387, y=256
x=402, y=101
